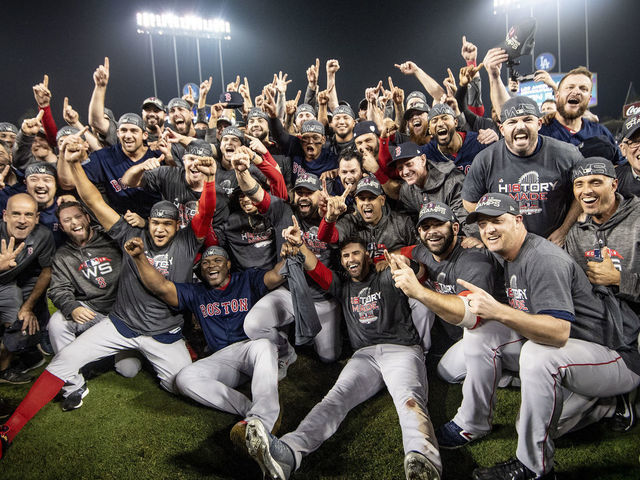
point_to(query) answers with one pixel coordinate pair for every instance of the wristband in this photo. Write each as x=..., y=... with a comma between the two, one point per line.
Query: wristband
x=253, y=190
x=470, y=320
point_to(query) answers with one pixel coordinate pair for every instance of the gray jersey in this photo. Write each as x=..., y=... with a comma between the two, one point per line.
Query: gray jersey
x=36, y=254
x=135, y=305
x=540, y=183
x=86, y=274
x=171, y=184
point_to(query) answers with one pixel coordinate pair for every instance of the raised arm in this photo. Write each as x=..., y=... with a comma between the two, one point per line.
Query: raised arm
x=96, y=106
x=74, y=151
x=493, y=64
x=332, y=67
x=432, y=87
x=149, y=276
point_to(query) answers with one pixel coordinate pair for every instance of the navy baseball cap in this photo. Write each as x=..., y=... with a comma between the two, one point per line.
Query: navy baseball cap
x=437, y=210
x=519, y=106
x=156, y=102
x=420, y=107
x=630, y=126
x=441, y=109
x=362, y=128
x=598, y=146
x=308, y=181
x=369, y=184
x=520, y=39
x=312, y=126
x=404, y=150
x=232, y=99
x=494, y=205
x=593, y=166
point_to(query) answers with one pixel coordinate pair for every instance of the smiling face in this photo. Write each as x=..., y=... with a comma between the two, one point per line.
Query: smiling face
x=502, y=235
x=215, y=270
x=413, y=170
x=75, y=224
x=192, y=175
x=572, y=98
x=258, y=127
x=182, y=118
x=162, y=230
x=368, y=143
x=306, y=201
x=42, y=187
x=439, y=237
x=349, y=171
x=370, y=207
x=521, y=134
x=228, y=146
x=8, y=137
x=355, y=260
x=418, y=124
x=597, y=195
x=132, y=139
x=303, y=117
x=21, y=216
x=631, y=150
x=40, y=148
x=342, y=124
x=153, y=117
x=247, y=205
x=443, y=127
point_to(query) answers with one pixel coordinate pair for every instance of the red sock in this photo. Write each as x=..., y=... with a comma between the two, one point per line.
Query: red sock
x=46, y=387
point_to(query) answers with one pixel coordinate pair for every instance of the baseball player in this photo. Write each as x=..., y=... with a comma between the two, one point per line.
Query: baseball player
x=221, y=303
x=565, y=325
x=629, y=173
x=138, y=320
x=387, y=353
x=276, y=309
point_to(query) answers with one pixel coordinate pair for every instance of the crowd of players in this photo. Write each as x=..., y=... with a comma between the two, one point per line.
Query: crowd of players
x=271, y=224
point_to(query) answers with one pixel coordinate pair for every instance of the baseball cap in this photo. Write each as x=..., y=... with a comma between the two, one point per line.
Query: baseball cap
x=437, y=210
x=362, y=128
x=519, y=107
x=404, y=150
x=363, y=104
x=232, y=99
x=215, y=250
x=593, y=166
x=257, y=112
x=598, y=146
x=156, y=102
x=224, y=119
x=369, y=184
x=417, y=94
x=308, y=181
x=494, y=205
x=131, y=119
x=312, y=126
x=520, y=39
x=8, y=127
x=164, y=209
x=630, y=126
x=236, y=132
x=178, y=102
x=417, y=107
x=42, y=168
x=66, y=131
x=441, y=109
x=305, y=107
x=344, y=110
x=199, y=148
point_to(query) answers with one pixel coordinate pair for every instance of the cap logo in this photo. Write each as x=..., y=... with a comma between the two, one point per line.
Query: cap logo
x=398, y=150
x=227, y=96
x=632, y=122
x=487, y=201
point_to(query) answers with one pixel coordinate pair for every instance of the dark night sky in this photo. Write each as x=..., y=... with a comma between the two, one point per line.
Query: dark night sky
x=367, y=38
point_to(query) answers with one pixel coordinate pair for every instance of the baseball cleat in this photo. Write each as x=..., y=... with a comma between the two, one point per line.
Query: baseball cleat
x=28, y=361
x=512, y=469
x=419, y=467
x=275, y=458
x=14, y=377
x=451, y=436
x=285, y=362
x=74, y=400
x=624, y=417
x=4, y=441
x=237, y=435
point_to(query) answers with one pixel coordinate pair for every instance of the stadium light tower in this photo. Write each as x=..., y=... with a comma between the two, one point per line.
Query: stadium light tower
x=190, y=26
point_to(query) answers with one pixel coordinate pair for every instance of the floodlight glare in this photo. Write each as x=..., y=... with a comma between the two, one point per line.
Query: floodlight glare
x=188, y=25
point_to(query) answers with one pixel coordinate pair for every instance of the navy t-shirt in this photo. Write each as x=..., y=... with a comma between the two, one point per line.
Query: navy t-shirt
x=221, y=311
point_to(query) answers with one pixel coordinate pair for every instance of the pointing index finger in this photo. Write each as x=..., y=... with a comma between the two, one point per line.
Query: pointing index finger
x=391, y=84
x=295, y=221
x=66, y=103
x=45, y=81
x=469, y=286
x=39, y=116
x=106, y=63
x=464, y=39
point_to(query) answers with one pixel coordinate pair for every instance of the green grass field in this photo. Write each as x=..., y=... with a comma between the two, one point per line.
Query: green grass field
x=132, y=429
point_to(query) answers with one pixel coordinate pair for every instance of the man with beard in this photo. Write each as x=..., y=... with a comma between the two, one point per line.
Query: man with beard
x=138, y=320
x=153, y=117
x=310, y=153
x=386, y=354
x=447, y=143
x=25, y=271
x=533, y=169
x=106, y=167
x=417, y=120
x=276, y=309
x=342, y=124
x=445, y=260
x=629, y=173
x=181, y=117
x=8, y=133
x=32, y=145
x=350, y=171
x=84, y=282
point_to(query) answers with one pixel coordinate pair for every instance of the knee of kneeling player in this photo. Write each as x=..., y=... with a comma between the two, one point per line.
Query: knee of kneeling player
x=535, y=358
x=128, y=367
